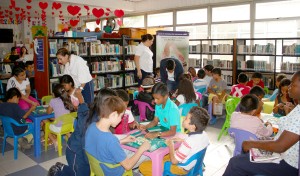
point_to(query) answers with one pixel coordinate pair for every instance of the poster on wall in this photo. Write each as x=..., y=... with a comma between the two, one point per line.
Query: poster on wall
x=173, y=44
x=39, y=50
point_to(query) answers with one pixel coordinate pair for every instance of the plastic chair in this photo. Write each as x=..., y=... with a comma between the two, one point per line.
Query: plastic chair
x=230, y=106
x=239, y=137
x=7, y=123
x=96, y=169
x=46, y=99
x=266, y=89
x=135, y=94
x=67, y=121
x=142, y=109
x=202, y=90
x=196, y=170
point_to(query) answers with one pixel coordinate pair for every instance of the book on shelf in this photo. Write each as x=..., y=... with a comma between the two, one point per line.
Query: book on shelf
x=222, y=63
x=195, y=48
x=98, y=48
x=293, y=49
x=83, y=49
x=129, y=79
x=218, y=49
x=110, y=81
x=256, y=49
x=207, y=62
x=53, y=49
x=290, y=67
x=129, y=65
x=262, y=156
x=194, y=62
x=259, y=65
x=227, y=78
x=56, y=69
x=106, y=66
x=130, y=49
x=73, y=48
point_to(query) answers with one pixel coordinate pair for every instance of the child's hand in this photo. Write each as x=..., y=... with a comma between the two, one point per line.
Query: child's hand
x=151, y=135
x=128, y=139
x=135, y=125
x=145, y=146
x=169, y=142
x=280, y=105
x=142, y=127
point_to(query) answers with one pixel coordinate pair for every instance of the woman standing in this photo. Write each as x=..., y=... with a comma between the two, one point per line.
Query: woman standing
x=143, y=58
x=77, y=68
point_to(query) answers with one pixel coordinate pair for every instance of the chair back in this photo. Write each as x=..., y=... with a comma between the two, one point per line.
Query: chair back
x=231, y=105
x=142, y=108
x=202, y=90
x=185, y=108
x=46, y=99
x=197, y=169
x=7, y=123
x=239, y=137
x=67, y=121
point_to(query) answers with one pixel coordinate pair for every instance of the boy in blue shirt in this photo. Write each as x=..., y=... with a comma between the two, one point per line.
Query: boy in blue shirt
x=166, y=112
x=104, y=146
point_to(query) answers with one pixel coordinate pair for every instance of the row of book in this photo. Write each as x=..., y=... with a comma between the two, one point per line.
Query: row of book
x=73, y=47
x=222, y=63
x=293, y=49
x=113, y=81
x=97, y=48
x=291, y=67
x=106, y=66
x=207, y=48
x=256, y=49
x=227, y=79
x=256, y=65
x=55, y=68
x=130, y=65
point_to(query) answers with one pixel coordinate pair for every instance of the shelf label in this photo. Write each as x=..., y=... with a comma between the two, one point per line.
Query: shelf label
x=40, y=55
x=90, y=39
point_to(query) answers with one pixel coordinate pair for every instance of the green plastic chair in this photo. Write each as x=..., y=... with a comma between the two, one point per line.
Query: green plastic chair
x=96, y=170
x=46, y=99
x=266, y=89
x=230, y=106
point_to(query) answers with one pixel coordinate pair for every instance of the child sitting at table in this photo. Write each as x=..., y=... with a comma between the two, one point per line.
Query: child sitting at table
x=283, y=102
x=68, y=83
x=186, y=93
x=246, y=120
x=195, y=122
x=240, y=89
x=256, y=80
x=104, y=146
x=166, y=112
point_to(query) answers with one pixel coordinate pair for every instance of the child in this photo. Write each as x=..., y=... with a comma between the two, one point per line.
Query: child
x=128, y=117
x=157, y=75
x=256, y=80
x=12, y=110
x=217, y=90
x=23, y=54
x=246, y=119
x=208, y=73
x=195, y=122
x=68, y=83
x=283, y=103
x=104, y=146
x=20, y=81
x=275, y=92
x=186, y=93
x=146, y=95
x=240, y=89
x=200, y=82
x=29, y=67
x=192, y=71
x=166, y=112
x=61, y=104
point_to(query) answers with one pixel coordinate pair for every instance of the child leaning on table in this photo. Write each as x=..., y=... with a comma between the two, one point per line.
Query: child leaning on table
x=195, y=122
x=104, y=146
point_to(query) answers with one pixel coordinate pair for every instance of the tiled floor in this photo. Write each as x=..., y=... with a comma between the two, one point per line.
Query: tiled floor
x=216, y=158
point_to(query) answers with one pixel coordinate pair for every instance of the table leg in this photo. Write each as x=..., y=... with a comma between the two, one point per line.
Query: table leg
x=37, y=138
x=157, y=169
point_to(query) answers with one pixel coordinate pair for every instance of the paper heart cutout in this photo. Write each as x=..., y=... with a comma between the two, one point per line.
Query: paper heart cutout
x=43, y=5
x=28, y=7
x=108, y=9
x=60, y=12
x=56, y=5
x=28, y=13
x=79, y=14
x=98, y=12
x=29, y=1
x=13, y=3
x=74, y=22
x=52, y=13
x=6, y=11
x=119, y=22
x=6, y=15
x=10, y=13
x=86, y=7
x=60, y=16
x=119, y=13
x=1, y=12
x=106, y=14
x=10, y=7
x=73, y=10
x=98, y=21
x=62, y=19
x=17, y=9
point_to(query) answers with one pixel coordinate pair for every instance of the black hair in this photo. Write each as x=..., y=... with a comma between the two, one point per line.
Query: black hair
x=170, y=64
x=185, y=76
x=63, y=52
x=156, y=70
x=217, y=71
x=61, y=93
x=12, y=92
x=280, y=77
x=123, y=94
x=257, y=75
x=201, y=73
x=29, y=63
x=208, y=67
x=257, y=90
x=13, y=49
x=17, y=70
x=146, y=37
x=249, y=103
x=199, y=118
x=242, y=78
x=21, y=52
x=283, y=82
x=186, y=89
x=160, y=88
x=67, y=79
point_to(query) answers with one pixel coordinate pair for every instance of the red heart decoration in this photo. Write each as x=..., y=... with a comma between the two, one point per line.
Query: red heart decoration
x=28, y=13
x=10, y=13
x=98, y=12
x=1, y=12
x=6, y=11
x=10, y=7
x=119, y=13
x=88, y=13
x=62, y=19
x=56, y=5
x=35, y=11
x=86, y=7
x=28, y=7
x=106, y=14
x=119, y=22
x=108, y=9
x=6, y=15
x=43, y=5
x=13, y=3
x=17, y=9
x=79, y=14
x=52, y=13
x=60, y=16
x=98, y=21
x=29, y=1
x=60, y=12
x=73, y=10
x=74, y=22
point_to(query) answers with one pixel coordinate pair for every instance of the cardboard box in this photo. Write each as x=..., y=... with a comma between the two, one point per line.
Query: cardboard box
x=135, y=33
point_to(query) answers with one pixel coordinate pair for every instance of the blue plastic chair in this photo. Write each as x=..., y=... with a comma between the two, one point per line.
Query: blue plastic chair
x=202, y=90
x=186, y=107
x=135, y=94
x=196, y=170
x=239, y=137
x=8, y=132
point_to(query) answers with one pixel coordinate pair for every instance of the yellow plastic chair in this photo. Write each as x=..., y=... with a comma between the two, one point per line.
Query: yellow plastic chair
x=67, y=127
x=46, y=99
x=96, y=169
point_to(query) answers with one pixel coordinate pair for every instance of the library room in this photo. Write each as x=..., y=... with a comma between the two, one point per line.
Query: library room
x=149, y=87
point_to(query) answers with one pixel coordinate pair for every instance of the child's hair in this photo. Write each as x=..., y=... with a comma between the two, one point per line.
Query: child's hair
x=67, y=79
x=146, y=37
x=12, y=92
x=186, y=89
x=170, y=64
x=17, y=70
x=280, y=77
x=21, y=52
x=13, y=49
x=242, y=78
x=110, y=105
x=201, y=73
x=123, y=95
x=63, y=52
x=284, y=82
x=249, y=103
x=192, y=71
x=160, y=88
x=257, y=90
x=208, y=67
x=216, y=71
x=257, y=75
x=61, y=93
x=28, y=63
x=199, y=118
x=157, y=70
x=185, y=76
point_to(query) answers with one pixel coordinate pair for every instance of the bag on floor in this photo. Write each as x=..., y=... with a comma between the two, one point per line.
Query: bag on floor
x=218, y=109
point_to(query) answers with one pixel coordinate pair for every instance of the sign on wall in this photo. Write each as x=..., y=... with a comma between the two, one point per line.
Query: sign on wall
x=40, y=66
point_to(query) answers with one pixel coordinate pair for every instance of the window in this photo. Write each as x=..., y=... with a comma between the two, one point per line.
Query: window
x=92, y=25
x=196, y=32
x=160, y=19
x=231, y=13
x=152, y=31
x=135, y=21
x=278, y=9
x=230, y=30
x=191, y=16
x=277, y=29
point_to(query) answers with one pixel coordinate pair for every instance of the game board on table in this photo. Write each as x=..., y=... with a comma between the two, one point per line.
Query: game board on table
x=40, y=110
